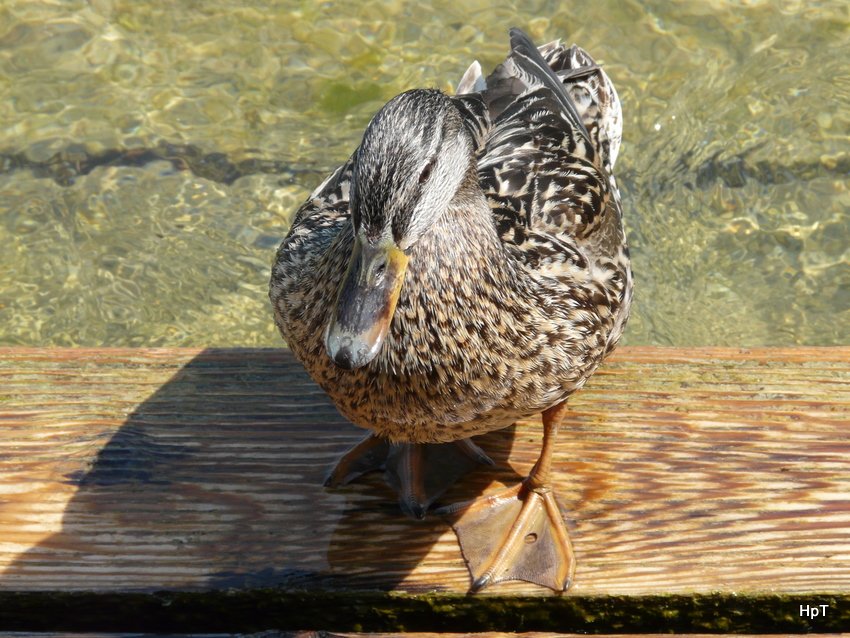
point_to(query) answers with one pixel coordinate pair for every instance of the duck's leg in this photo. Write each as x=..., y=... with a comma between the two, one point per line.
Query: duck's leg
x=518, y=533
x=418, y=472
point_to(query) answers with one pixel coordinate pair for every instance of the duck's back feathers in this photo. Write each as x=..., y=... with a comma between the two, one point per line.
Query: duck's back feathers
x=546, y=123
x=548, y=126
x=586, y=95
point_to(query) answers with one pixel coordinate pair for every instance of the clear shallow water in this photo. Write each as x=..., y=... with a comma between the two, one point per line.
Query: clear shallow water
x=734, y=167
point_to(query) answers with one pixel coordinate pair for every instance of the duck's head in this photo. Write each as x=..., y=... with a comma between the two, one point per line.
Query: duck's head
x=414, y=156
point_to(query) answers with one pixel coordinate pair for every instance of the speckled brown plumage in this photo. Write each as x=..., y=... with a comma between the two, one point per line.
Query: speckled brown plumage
x=513, y=296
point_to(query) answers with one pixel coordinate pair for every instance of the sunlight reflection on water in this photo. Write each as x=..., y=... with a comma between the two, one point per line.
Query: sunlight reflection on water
x=733, y=168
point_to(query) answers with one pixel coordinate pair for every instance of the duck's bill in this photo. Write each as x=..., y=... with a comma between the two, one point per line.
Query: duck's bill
x=366, y=303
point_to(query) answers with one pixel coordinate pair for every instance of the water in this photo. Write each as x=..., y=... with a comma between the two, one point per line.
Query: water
x=152, y=155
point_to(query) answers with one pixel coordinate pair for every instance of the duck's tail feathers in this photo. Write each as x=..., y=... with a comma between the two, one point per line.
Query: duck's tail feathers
x=472, y=81
x=535, y=72
x=593, y=95
x=580, y=87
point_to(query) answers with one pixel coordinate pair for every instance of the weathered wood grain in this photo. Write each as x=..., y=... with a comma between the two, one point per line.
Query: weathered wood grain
x=682, y=472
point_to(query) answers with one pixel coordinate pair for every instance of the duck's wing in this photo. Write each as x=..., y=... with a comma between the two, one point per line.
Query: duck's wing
x=541, y=160
x=594, y=98
x=328, y=199
x=548, y=134
x=540, y=164
x=526, y=65
x=315, y=226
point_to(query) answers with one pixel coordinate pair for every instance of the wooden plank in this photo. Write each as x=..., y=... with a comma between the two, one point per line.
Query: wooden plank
x=686, y=474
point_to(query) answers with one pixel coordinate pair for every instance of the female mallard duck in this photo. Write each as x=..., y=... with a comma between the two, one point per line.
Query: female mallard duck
x=465, y=268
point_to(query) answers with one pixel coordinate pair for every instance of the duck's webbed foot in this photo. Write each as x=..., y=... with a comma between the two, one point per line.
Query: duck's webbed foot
x=515, y=534
x=367, y=456
x=419, y=472
x=518, y=533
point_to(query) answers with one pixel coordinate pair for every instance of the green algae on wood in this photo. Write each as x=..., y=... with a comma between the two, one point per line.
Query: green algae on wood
x=256, y=610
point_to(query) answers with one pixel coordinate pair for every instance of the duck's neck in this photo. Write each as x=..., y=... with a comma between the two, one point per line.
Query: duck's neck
x=463, y=242
x=458, y=277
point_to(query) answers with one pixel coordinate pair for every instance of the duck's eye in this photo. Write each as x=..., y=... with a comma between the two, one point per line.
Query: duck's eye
x=380, y=269
x=426, y=172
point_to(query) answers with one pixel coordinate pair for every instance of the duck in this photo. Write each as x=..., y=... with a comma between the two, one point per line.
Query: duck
x=465, y=268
